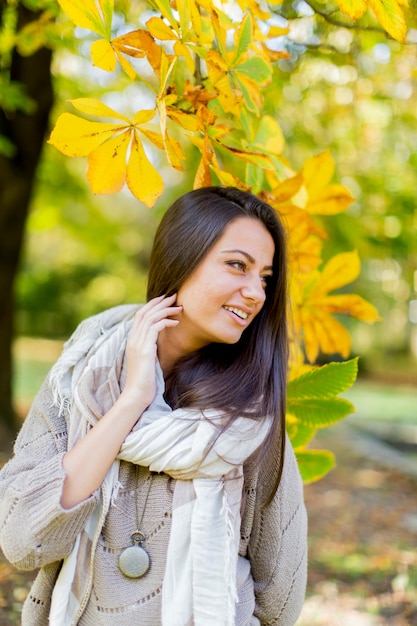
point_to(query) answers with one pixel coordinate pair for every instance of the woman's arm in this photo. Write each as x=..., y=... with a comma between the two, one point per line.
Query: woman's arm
x=38, y=525
x=88, y=462
x=34, y=529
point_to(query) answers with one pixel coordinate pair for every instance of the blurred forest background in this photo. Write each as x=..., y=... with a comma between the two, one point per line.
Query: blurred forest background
x=352, y=91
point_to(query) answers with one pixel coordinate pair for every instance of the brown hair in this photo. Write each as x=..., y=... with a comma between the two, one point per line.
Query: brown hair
x=248, y=377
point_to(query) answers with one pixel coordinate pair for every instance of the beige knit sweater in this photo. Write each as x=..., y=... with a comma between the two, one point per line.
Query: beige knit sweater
x=35, y=532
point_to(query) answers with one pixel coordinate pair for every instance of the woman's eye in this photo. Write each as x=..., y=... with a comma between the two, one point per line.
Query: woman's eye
x=239, y=265
x=266, y=280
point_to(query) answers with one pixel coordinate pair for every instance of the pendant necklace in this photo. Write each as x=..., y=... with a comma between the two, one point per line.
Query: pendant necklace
x=134, y=561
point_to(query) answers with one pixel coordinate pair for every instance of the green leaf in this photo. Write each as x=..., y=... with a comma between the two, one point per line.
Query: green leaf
x=244, y=37
x=300, y=435
x=324, y=382
x=245, y=120
x=255, y=68
x=248, y=93
x=164, y=7
x=255, y=178
x=107, y=10
x=319, y=413
x=7, y=147
x=269, y=136
x=314, y=464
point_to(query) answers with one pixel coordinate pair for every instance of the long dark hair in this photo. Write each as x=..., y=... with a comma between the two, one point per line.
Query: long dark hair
x=248, y=377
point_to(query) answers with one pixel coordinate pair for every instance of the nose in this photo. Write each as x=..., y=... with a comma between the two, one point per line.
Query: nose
x=254, y=289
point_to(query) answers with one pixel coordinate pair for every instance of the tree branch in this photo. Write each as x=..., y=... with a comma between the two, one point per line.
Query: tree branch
x=328, y=16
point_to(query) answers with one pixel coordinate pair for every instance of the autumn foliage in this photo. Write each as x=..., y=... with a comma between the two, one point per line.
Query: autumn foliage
x=208, y=72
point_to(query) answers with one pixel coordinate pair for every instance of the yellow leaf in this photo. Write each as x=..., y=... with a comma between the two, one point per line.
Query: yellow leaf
x=103, y=55
x=203, y=176
x=167, y=65
x=391, y=17
x=277, y=31
x=287, y=189
x=330, y=201
x=332, y=335
x=256, y=158
x=143, y=116
x=143, y=180
x=354, y=8
x=107, y=165
x=125, y=65
x=128, y=49
x=322, y=332
x=155, y=138
x=311, y=343
x=254, y=7
x=275, y=55
x=85, y=14
x=181, y=50
x=186, y=120
x=92, y=106
x=216, y=63
x=318, y=172
x=307, y=257
x=348, y=304
x=160, y=30
x=228, y=98
x=304, y=252
x=299, y=221
x=139, y=43
x=76, y=137
x=228, y=180
x=221, y=24
x=174, y=152
x=205, y=33
x=340, y=270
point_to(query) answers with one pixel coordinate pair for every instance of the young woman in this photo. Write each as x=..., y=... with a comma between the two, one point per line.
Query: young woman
x=150, y=482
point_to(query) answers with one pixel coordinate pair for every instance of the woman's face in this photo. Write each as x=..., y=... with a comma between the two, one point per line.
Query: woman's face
x=227, y=289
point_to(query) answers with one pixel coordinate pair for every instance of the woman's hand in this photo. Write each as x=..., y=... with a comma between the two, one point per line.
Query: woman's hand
x=88, y=462
x=141, y=348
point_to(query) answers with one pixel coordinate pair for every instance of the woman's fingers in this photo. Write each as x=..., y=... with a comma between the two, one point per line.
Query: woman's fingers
x=152, y=317
x=155, y=309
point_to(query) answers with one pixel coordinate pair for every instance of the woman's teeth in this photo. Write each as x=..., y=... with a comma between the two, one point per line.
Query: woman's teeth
x=237, y=312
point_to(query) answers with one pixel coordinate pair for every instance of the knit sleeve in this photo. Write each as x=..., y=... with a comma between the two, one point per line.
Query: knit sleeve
x=277, y=550
x=34, y=529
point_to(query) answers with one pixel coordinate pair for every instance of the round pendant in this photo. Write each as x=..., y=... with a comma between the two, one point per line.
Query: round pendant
x=134, y=561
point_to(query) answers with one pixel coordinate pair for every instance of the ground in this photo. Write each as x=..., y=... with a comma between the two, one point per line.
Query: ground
x=362, y=536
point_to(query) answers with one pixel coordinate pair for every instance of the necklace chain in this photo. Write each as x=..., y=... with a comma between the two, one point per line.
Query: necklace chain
x=139, y=522
x=134, y=561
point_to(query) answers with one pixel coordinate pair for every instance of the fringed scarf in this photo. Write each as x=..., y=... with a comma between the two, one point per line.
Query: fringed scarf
x=199, y=586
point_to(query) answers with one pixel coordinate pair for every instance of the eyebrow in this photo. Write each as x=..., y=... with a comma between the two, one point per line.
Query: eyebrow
x=248, y=256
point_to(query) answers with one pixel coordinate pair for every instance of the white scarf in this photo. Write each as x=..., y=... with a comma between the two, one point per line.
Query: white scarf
x=199, y=584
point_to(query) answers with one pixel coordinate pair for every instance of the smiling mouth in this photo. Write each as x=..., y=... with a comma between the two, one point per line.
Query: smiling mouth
x=238, y=312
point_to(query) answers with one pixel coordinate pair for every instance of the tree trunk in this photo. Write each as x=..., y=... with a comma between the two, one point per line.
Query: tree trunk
x=17, y=177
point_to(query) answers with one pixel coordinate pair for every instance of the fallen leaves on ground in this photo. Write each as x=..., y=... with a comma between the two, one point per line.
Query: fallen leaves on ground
x=362, y=536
